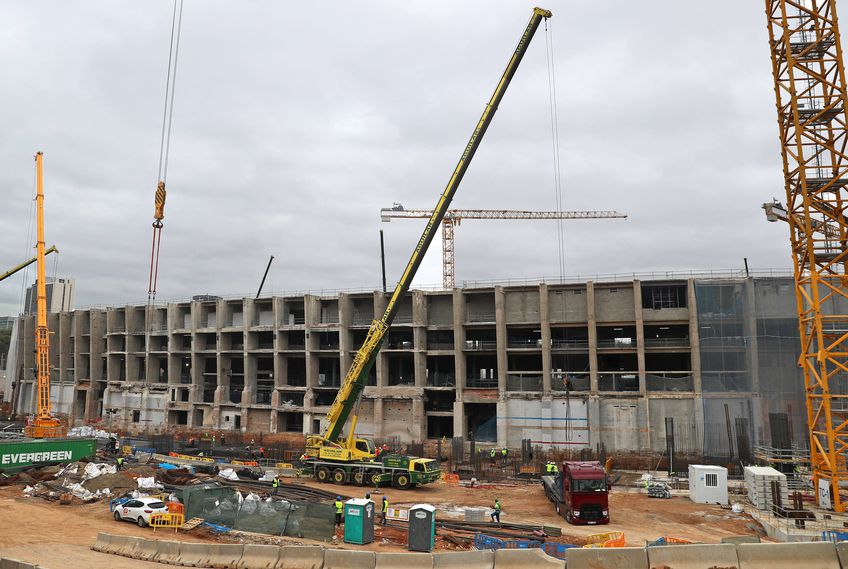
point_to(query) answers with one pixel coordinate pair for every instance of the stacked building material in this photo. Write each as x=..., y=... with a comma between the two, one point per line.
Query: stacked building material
x=758, y=483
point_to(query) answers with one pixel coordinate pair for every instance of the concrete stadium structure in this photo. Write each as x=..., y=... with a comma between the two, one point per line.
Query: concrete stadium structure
x=564, y=365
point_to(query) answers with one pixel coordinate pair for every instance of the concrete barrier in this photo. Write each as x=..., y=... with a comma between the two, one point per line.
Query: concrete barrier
x=129, y=546
x=464, y=560
x=102, y=543
x=116, y=543
x=224, y=555
x=193, y=554
x=404, y=561
x=821, y=555
x=260, y=557
x=737, y=539
x=301, y=557
x=529, y=558
x=169, y=552
x=693, y=556
x=842, y=554
x=349, y=559
x=6, y=563
x=148, y=550
x=611, y=558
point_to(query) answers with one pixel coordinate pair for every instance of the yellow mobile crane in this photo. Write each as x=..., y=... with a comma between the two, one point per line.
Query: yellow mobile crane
x=43, y=425
x=344, y=458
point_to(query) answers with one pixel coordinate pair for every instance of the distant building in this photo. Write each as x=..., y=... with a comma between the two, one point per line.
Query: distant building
x=60, y=296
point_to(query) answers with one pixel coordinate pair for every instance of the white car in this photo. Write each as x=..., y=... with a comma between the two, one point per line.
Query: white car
x=139, y=510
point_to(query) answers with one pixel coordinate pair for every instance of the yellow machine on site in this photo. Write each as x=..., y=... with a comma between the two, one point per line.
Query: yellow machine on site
x=339, y=457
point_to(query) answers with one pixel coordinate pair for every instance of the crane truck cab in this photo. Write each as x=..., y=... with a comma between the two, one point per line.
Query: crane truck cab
x=320, y=448
x=580, y=492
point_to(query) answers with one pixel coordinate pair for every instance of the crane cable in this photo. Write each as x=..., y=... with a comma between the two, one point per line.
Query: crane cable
x=164, y=149
x=549, y=52
x=552, y=96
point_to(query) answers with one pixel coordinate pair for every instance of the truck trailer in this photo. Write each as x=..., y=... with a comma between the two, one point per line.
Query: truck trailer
x=580, y=492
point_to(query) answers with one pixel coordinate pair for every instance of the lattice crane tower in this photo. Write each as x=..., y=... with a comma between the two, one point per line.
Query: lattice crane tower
x=809, y=83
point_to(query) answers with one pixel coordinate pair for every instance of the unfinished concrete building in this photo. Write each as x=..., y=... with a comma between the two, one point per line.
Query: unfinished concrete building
x=565, y=365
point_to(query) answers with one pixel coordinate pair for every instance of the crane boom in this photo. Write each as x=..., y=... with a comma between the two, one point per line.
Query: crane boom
x=26, y=263
x=453, y=217
x=387, y=214
x=354, y=381
x=44, y=425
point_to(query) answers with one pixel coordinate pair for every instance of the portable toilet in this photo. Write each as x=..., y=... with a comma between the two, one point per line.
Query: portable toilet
x=359, y=521
x=707, y=484
x=422, y=528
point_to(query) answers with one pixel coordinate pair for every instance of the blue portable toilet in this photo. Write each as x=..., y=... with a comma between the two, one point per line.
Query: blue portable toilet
x=359, y=521
x=422, y=528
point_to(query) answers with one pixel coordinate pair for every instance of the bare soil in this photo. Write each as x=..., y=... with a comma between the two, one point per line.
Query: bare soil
x=54, y=536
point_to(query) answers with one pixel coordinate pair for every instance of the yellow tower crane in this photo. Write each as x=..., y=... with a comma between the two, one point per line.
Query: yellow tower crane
x=453, y=217
x=44, y=425
x=810, y=87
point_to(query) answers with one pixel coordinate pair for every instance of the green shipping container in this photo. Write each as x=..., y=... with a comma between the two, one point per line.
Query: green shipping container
x=22, y=453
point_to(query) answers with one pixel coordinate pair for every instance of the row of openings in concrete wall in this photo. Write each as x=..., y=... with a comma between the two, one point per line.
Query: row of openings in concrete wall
x=480, y=307
x=562, y=337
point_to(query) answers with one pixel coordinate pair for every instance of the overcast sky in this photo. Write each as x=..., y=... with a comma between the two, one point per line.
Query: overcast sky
x=294, y=123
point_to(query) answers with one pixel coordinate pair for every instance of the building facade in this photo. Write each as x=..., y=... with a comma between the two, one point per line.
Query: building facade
x=620, y=363
x=60, y=295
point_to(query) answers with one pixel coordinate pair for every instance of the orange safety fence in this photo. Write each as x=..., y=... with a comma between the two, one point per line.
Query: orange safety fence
x=175, y=508
x=244, y=462
x=167, y=521
x=450, y=478
x=611, y=539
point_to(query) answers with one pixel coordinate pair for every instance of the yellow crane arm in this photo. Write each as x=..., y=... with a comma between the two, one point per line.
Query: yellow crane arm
x=27, y=263
x=356, y=376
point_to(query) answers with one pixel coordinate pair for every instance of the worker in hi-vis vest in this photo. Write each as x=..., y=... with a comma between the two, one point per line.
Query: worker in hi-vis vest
x=339, y=510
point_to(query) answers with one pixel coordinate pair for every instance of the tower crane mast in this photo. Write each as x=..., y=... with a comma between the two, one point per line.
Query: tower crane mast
x=810, y=88
x=453, y=217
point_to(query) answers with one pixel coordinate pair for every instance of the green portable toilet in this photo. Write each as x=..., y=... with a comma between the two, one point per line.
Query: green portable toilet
x=359, y=521
x=422, y=528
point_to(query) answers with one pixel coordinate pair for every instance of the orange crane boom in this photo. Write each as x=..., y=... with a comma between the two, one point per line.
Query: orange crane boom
x=453, y=217
x=43, y=425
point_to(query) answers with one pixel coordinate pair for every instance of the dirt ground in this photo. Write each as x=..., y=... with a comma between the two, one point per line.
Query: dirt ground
x=54, y=536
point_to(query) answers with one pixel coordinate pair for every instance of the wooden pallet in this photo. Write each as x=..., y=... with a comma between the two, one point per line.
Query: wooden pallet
x=191, y=524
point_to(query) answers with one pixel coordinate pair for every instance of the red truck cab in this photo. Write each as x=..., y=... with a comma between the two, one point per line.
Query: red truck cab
x=580, y=492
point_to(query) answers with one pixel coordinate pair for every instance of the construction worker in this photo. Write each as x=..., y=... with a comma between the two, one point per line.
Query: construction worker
x=120, y=461
x=261, y=452
x=496, y=513
x=252, y=442
x=213, y=440
x=384, y=510
x=548, y=467
x=492, y=454
x=275, y=484
x=504, y=452
x=554, y=468
x=339, y=509
x=223, y=440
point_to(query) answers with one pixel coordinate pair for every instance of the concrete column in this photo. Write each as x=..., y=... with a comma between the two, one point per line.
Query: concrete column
x=500, y=335
x=694, y=347
x=458, y=345
x=749, y=328
x=645, y=434
x=502, y=423
x=418, y=427
x=378, y=417
x=345, y=336
x=593, y=338
x=381, y=365
x=544, y=317
x=459, y=419
x=593, y=413
x=419, y=337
